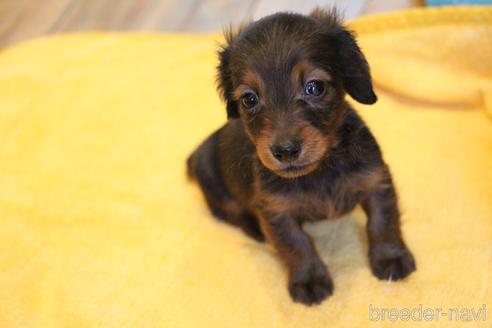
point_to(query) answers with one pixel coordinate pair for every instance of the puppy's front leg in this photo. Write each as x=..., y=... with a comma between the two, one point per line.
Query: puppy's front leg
x=389, y=256
x=309, y=280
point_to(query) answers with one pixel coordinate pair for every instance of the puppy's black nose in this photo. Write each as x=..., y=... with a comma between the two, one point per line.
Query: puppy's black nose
x=286, y=151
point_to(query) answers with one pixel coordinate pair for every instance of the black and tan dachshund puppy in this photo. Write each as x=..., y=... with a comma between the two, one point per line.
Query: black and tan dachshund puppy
x=293, y=150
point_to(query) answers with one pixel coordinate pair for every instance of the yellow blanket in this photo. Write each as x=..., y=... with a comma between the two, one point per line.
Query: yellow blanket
x=99, y=226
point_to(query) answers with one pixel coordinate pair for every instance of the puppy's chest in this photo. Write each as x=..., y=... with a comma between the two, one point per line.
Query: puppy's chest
x=313, y=205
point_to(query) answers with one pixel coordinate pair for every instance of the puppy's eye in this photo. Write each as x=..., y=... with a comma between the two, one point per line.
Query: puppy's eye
x=314, y=88
x=249, y=100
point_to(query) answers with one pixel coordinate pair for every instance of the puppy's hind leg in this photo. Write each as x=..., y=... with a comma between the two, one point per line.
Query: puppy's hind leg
x=202, y=167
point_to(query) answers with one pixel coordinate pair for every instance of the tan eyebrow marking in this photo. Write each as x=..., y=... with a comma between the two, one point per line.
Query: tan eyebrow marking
x=318, y=74
x=240, y=91
x=250, y=81
x=305, y=71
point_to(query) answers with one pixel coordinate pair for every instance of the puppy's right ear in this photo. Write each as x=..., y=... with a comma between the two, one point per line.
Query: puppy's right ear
x=224, y=78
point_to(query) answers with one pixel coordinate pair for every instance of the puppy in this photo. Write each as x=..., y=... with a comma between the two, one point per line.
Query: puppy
x=293, y=150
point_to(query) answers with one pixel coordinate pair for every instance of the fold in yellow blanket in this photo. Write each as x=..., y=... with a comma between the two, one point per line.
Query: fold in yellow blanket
x=100, y=227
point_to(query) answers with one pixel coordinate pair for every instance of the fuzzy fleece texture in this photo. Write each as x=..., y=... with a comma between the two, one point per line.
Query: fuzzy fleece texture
x=100, y=227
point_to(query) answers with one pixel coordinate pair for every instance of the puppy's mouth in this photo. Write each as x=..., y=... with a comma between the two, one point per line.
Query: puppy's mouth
x=293, y=168
x=294, y=171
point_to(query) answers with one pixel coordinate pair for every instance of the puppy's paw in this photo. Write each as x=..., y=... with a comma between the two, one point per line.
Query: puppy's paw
x=389, y=261
x=311, y=285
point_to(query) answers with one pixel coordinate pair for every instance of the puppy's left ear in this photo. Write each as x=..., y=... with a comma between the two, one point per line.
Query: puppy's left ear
x=224, y=78
x=353, y=68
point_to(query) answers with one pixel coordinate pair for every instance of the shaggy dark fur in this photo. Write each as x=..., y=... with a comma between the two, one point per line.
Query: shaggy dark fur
x=294, y=150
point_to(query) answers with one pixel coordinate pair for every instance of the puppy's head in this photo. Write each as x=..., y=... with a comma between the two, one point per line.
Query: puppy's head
x=285, y=77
